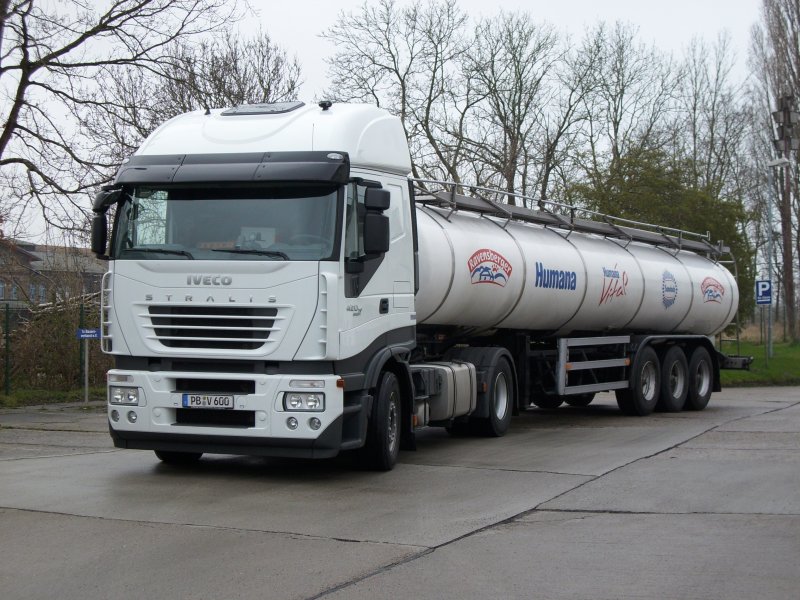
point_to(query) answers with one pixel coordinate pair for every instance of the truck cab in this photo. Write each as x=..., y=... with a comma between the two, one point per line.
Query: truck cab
x=261, y=280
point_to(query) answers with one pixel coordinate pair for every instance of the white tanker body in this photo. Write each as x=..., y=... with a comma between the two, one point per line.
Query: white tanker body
x=277, y=288
x=553, y=282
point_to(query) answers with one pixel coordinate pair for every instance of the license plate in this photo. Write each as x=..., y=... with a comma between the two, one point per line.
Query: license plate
x=207, y=401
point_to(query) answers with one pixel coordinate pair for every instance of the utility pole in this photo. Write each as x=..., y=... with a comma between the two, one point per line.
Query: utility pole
x=779, y=163
x=787, y=142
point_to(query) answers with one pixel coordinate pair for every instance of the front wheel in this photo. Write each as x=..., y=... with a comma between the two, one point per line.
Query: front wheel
x=383, y=430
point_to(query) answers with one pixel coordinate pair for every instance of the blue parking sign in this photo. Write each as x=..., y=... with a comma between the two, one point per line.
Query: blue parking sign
x=764, y=291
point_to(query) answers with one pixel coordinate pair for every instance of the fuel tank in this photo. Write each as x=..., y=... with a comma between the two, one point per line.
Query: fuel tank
x=485, y=272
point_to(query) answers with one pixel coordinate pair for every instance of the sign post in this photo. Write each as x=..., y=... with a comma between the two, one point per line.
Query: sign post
x=84, y=335
x=764, y=298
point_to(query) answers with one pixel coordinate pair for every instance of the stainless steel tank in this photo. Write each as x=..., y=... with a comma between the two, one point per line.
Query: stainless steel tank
x=485, y=272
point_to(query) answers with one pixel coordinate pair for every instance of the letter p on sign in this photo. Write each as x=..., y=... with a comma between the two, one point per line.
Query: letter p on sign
x=763, y=292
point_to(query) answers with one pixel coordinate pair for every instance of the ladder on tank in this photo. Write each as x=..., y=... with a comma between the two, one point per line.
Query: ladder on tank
x=445, y=194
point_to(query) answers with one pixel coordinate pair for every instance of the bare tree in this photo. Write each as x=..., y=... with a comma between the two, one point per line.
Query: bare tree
x=225, y=71
x=712, y=121
x=563, y=122
x=511, y=62
x=775, y=58
x=634, y=89
x=405, y=59
x=51, y=56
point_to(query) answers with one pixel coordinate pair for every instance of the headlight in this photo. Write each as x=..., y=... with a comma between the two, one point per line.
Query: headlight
x=304, y=401
x=123, y=395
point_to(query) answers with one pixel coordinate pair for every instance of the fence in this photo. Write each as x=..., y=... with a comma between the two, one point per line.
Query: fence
x=39, y=349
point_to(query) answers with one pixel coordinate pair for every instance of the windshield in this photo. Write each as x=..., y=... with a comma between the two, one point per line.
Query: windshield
x=279, y=222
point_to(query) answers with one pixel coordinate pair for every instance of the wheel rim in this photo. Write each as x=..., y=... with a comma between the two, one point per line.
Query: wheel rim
x=702, y=378
x=677, y=380
x=500, y=396
x=393, y=421
x=649, y=379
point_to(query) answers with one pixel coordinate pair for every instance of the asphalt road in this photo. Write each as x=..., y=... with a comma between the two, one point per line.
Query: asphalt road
x=572, y=503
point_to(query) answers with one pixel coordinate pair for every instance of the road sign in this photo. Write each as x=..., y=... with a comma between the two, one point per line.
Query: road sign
x=88, y=334
x=764, y=291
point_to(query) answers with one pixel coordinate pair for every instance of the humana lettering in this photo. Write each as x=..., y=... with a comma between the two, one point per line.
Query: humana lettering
x=555, y=279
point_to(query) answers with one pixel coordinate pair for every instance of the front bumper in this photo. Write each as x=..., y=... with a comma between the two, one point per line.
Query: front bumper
x=327, y=445
x=260, y=425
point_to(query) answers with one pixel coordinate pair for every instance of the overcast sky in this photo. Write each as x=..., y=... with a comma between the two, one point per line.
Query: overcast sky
x=668, y=24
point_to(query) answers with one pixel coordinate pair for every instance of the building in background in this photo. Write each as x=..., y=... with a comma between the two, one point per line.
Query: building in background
x=34, y=274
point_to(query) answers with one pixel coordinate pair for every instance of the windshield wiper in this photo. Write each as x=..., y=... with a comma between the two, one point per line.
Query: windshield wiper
x=160, y=251
x=273, y=253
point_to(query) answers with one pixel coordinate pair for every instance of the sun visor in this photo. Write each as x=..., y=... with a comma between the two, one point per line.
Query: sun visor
x=331, y=167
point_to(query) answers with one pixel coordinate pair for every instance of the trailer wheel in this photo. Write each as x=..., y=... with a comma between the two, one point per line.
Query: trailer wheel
x=178, y=458
x=500, y=397
x=641, y=396
x=674, y=380
x=383, y=430
x=579, y=399
x=700, y=379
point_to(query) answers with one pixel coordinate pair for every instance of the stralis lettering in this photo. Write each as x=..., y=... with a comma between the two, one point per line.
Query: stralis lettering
x=615, y=285
x=207, y=299
x=555, y=279
x=209, y=280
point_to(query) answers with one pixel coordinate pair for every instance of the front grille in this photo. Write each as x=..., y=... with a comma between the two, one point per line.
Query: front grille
x=213, y=417
x=215, y=386
x=212, y=327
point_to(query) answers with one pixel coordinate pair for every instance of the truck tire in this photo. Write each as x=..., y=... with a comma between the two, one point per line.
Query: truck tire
x=674, y=380
x=701, y=376
x=548, y=402
x=579, y=399
x=641, y=395
x=383, y=429
x=178, y=458
x=500, y=398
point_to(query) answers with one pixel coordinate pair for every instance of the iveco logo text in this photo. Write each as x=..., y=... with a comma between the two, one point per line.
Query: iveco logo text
x=209, y=280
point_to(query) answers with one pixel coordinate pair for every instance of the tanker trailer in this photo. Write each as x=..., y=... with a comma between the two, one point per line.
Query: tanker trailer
x=279, y=286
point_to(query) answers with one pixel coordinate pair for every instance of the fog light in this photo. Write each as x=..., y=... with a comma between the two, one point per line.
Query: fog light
x=291, y=423
x=132, y=416
x=315, y=423
x=115, y=415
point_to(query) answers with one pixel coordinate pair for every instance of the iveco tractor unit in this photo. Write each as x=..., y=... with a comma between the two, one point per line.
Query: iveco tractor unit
x=278, y=285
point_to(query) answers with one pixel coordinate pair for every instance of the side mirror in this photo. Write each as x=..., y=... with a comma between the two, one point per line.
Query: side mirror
x=376, y=199
x=376, y=233
x=99, y=233
x=105, y=198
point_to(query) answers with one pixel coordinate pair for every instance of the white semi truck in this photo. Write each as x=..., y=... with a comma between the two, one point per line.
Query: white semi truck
x=279, y=286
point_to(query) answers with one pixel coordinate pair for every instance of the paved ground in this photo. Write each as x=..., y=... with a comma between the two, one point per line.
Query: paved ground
x=573, y=503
